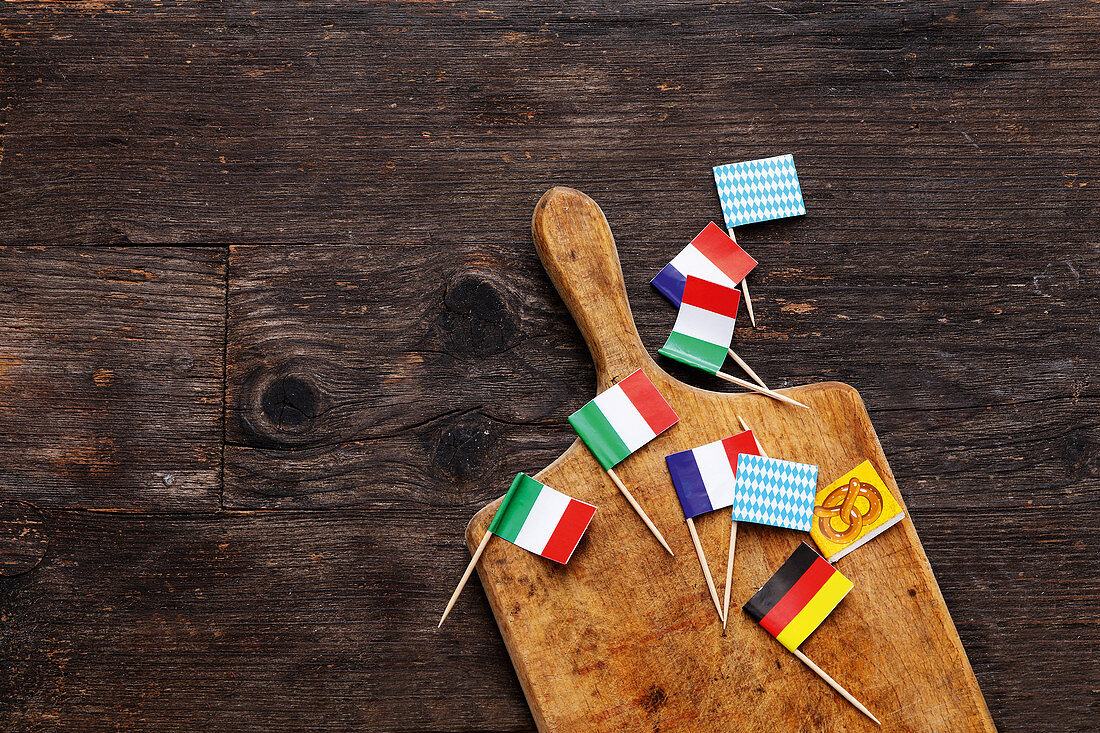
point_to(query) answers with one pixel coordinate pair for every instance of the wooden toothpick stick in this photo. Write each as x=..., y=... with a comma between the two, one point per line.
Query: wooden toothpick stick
x=745, y=288
x=745, y=426
x=638, y=508
x=835, y=685
x=748, y=369
x=465, y=576
x=757, y=388
x=706, y=569
x=748, y=301
x=729, y=573
x=733, y=541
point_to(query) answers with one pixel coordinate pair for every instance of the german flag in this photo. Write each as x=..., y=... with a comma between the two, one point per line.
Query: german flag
x=798, y=597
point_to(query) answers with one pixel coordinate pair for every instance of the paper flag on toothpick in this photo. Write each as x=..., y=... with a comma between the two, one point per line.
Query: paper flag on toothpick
x=704, y=329
x=620, y=420
x=704, y=325
x=759, y=190
x=775, y=492
x=712, y=256
x=801, y=594
x=704, y=476
x=852, y=511
x=796, y=600
x=541, y=519
x=535, y=517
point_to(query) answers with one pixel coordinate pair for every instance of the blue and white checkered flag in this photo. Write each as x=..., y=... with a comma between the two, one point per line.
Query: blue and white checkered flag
x=770, y=491
x=759, y=190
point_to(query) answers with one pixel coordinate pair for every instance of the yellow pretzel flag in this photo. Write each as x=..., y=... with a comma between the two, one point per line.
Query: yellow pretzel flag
x=852, y=511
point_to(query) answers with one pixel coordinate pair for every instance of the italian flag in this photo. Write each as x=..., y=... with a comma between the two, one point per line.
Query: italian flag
x=704, y=326
x=620, y=420
x=540, y=519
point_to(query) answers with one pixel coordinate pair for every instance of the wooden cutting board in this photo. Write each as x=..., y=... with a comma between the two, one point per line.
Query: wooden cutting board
x=625, y=637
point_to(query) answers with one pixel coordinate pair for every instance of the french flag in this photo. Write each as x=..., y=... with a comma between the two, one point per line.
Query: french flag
x=712, y=256
x=704, y=476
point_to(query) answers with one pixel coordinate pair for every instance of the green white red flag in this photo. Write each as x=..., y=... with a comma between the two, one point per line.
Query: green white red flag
x=620, y=420
x=541, y=519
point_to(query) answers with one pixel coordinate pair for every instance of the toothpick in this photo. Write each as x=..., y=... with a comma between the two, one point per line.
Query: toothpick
x=748, y=369
x=745, y=426
x=465, y=576
x=706, y=569
x=745, y=288
x=733, y=533
x=757, y=388
x=835, y=685
x=637, y=508
x=748, y=301
x=729, y=572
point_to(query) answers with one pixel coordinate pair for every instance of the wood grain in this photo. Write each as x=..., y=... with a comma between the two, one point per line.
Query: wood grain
x=330, y=404
x=111, y=377
x=616, y=641
x=338, y=123
x=1001, y=392
x=249, y=621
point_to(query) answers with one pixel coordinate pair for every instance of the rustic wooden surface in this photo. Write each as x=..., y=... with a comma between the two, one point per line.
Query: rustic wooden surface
x=947, y=268
x=625, y=639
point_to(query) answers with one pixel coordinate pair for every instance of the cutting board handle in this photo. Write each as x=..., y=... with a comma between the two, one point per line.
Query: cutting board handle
x=576, y=247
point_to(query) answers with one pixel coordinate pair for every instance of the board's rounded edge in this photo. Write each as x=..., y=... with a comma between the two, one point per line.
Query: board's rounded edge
x=842, y=386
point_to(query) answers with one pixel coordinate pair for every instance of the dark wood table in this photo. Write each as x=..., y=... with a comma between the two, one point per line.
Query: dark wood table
x=273, y=328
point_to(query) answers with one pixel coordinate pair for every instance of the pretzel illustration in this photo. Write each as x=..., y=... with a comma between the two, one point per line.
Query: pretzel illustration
x=841, y=503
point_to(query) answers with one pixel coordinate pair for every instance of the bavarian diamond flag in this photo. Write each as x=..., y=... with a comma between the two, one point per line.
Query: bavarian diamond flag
x=540, y=519
x=704, y=325
x=712, y=256
x=770, y=491
x=759, y=190
x=852, y=511
x=801, y=594
x=620, y=420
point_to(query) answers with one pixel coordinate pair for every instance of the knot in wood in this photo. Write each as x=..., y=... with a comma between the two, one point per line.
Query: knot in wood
x=281, y=407
x=480, y=316
x=290, y=403
x=463, y=448
x=1081, y=455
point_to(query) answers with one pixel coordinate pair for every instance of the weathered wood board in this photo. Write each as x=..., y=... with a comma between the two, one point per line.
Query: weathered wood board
x=111, y=377
x=625, y=637
x=244, y=622
x=948, y=268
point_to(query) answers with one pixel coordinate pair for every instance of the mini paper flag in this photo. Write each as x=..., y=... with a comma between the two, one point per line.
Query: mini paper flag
x=620, y=420
x=770, y=491
x=852, y=511
x=801, y=594
x=704, y=476
x=759, y=190
x=704, y=325
x=541, y=519
x=712, y=256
